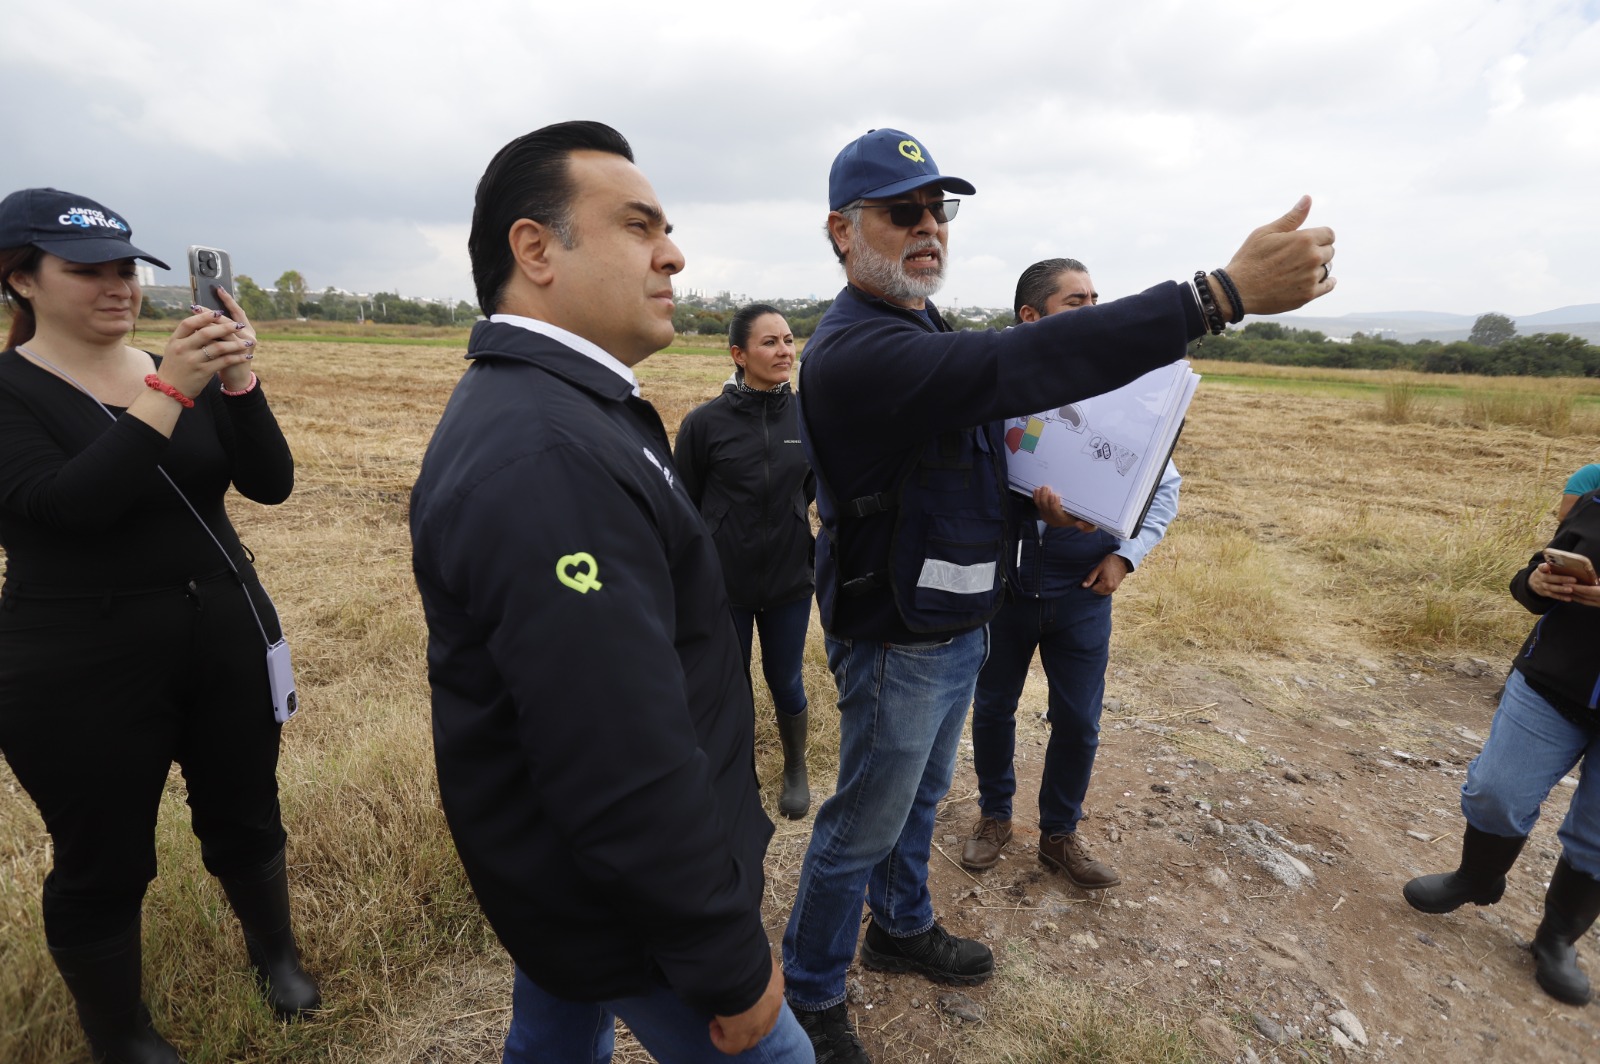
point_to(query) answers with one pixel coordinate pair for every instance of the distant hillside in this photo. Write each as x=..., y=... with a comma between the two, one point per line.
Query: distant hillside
x=1409, y=326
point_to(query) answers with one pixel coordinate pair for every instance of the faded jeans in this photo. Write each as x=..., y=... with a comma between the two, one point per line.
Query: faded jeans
x=546, y=1029
x=1531, y=746
x=901, y=709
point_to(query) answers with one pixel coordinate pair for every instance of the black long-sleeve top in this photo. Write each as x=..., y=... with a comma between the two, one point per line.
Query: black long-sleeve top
x=83, y=508
x=1560, y=659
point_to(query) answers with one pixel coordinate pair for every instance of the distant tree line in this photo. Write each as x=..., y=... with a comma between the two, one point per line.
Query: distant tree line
x=1493, y=350
x=803, y=315
x=292, y=300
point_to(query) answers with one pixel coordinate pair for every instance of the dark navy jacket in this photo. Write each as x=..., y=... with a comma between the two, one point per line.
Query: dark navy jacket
x=1560, y=659
x=592, y=720
x=894, y=403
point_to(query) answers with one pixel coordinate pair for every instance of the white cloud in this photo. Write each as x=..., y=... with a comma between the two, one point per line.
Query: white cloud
x=1443, y=139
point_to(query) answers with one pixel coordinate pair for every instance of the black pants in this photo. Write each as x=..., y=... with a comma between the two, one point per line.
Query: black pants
x=98, y=696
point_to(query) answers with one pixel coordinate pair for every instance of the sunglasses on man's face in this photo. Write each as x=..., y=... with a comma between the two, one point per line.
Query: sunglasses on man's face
x=906, y=215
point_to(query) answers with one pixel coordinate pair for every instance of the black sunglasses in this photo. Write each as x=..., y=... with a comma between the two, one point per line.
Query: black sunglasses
x=906, y=215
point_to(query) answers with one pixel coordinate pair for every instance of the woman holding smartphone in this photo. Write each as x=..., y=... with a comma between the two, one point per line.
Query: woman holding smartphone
x=1548, y=722
x=127, y=641
x=740, y=459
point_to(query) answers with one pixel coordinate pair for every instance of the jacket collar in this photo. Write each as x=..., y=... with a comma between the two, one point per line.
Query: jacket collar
x=494, y=341
x=870, y=301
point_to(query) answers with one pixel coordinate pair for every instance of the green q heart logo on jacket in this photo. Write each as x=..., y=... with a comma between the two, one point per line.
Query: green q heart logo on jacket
x=578, y=571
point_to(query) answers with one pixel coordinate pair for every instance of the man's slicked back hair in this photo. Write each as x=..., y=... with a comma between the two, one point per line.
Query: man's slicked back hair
x=529, y=178
x=1038, y=283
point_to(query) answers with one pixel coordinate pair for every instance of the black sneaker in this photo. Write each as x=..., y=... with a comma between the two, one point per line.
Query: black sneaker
x=833, y=1037
x=936, y=953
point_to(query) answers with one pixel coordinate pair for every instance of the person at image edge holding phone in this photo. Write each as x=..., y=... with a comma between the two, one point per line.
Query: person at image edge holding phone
x=1547, y=724
x=126, y=640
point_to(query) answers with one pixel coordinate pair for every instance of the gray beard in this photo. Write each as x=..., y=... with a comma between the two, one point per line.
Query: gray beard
x=872, y=269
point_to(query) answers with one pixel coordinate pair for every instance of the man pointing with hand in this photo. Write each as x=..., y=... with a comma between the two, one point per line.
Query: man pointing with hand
x=901, y=419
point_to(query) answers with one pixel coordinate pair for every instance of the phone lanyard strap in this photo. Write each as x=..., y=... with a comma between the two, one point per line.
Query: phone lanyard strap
x=239, y=577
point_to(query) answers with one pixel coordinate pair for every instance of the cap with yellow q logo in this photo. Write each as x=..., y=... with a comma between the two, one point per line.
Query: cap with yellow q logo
x=884, y=163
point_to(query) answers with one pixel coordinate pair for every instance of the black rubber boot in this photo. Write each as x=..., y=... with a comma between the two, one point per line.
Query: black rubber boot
x=261, y=901
x=104, y=980
x=1570, y=907
x=1481, y=879
x=796, y=797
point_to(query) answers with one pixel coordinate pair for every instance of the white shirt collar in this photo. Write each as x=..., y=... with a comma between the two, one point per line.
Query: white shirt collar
x=574, y=341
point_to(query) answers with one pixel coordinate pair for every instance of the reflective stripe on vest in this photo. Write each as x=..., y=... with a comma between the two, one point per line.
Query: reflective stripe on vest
x=957, y=579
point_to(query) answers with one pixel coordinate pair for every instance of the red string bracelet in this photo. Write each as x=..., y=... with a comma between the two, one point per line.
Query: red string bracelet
x=164, y=388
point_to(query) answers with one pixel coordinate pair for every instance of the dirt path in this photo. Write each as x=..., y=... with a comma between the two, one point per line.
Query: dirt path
x=1263, y=833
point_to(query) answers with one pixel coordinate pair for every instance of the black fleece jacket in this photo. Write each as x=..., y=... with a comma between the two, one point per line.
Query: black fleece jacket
x=742, y=464
x=592, y=721
x=1561, y=656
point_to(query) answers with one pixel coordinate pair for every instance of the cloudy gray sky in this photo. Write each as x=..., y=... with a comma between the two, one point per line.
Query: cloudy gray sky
x=1454, y=145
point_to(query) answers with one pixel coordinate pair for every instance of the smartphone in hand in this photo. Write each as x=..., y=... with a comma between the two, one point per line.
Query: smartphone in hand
x=1566, y=563
x=209, y=268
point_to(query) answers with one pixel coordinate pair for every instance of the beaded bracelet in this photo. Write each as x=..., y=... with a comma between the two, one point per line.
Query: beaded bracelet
x=1233, y=295
x=246, y=390
x=1208, y=304
x=153, y=381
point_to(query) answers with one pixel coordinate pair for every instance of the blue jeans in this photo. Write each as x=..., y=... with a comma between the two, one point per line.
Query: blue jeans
x=1531, y=746
x=783, y=647
x=548, y=1030
x=901, y=709
x=1072, y=633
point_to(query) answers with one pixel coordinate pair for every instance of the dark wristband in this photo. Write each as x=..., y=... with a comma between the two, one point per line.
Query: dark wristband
x=1232, y=291
x=1208, y=304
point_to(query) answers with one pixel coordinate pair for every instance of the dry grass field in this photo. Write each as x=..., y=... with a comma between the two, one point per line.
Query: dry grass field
x=1319, y=523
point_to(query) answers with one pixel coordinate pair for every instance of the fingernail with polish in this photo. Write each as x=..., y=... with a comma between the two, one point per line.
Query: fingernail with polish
x=249, y=343
x=196, y=307
x=248, y=355
x=238, y=325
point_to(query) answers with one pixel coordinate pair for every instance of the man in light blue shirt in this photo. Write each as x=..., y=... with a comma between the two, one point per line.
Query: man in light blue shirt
x=1060, y=604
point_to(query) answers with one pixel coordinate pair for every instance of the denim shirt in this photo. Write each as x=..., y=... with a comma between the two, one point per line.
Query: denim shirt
x=1053, y=562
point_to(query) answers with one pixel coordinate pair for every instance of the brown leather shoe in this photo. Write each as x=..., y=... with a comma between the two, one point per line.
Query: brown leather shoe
x=1067, y=852
x=982, y=850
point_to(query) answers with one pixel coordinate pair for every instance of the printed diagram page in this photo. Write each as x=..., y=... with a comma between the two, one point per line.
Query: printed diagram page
x=1104, y=456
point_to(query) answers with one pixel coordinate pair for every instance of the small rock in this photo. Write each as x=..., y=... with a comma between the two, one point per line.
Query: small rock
x=1157, y=822
x=1346, y=1021
x=1340, y=1039
x=1084, y=939
x=1213, y=826
x=916, y=1003
x=1216, y=877
x=1370, y=681
x=1270, y=1029
x=1457, y=985
x=1568, y=781
x=1217, y=1037
x=855, y=991
x=1113, y=834
x=1112, y=705
x=952, y=840
x=1161, y=788
x=1180, y=963
x=1293, y=777
x=1423, y=937
x=1420, y=836
x=960, y=1006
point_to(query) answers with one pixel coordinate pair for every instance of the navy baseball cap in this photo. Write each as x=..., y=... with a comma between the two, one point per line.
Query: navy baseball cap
x=67, y=225
x=885, y=162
